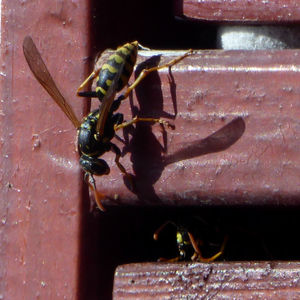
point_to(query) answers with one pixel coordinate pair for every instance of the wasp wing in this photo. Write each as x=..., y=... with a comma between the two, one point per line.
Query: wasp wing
x=104, y=110
x=107, y=101
x=41, y=73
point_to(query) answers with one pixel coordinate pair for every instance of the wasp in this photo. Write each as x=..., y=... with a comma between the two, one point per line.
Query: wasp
x=189, y=240
x=97, y=129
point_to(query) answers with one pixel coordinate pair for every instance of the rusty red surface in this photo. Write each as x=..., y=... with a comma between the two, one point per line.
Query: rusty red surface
x=41, y=182
x=236, y=138
x=240, y=10
x=242, y=280
x=235, y=142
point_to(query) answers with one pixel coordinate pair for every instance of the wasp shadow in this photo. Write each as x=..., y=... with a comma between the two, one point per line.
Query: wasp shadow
x=149, y=93
x=216, y=142
x=148, y=159
x=146, y=151
x=148, y=155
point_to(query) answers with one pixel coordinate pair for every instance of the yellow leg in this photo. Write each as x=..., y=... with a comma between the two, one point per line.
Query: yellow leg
x=91, y=77
x=198, y=254
x=145, y=72
x=138, y=119
x=170, y=260
x=98, y=196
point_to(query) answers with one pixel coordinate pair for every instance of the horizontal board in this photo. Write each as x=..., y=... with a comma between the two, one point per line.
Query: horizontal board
x=239, y=10
x=242, y=280
x=237, y=132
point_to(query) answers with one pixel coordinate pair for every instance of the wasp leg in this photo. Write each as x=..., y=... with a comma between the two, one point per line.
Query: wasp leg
x=91, y=77
x=116, y=104
x=87, y=94
x=117, y=151
x=138, y=119
x=198, y=254
x=145, y=72
x=174, y=259
x=98, y=196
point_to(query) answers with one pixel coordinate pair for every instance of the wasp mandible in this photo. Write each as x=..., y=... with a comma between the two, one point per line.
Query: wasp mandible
x=98, y=128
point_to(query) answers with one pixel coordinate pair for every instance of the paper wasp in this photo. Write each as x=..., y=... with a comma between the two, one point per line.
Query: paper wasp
x=97, y=129
x=189, y=239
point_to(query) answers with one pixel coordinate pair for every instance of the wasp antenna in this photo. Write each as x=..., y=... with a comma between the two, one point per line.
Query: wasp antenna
x=161, y=227
x=141, y=47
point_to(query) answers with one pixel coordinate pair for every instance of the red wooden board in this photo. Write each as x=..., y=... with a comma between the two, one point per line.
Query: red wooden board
x=243, y=280
x=41, y=183
x=239, y=10
x=236, y=139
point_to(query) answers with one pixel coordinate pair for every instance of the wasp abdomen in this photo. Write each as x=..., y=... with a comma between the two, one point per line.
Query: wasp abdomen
x=118, y=68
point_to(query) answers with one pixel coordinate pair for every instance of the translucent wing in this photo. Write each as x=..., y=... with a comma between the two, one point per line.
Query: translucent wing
x=105, y=107
x=107, y=102
x=41, y=73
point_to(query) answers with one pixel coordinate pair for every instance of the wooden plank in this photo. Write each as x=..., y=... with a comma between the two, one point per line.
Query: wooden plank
x=41, y=190
x=240, y=280
x=239, y=10
x=237, y=132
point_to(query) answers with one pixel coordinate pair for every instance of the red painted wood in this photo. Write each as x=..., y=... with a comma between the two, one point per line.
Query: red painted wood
x=239, y=10
x=41, y=183
x=236, y=139
x=242, y=280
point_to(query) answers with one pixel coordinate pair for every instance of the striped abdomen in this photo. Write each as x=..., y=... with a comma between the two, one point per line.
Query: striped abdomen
x=117, y=70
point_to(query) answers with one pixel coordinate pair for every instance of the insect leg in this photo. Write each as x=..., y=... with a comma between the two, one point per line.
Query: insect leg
x=92, y=184
x=145, y=72
x=116, y=104
x=87, y=94
x=117, y=151
x=198, y=254
x=174, y=259
x=138, y=119
x=91, y=77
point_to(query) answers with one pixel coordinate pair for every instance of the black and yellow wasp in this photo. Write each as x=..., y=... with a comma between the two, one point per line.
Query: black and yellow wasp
x=97, y=129
x=191, y=235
